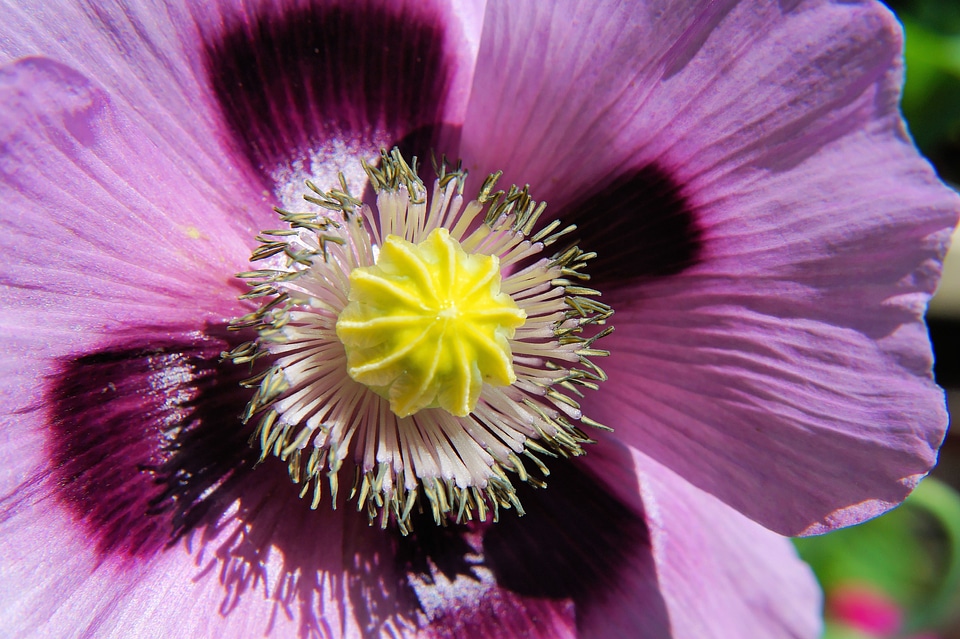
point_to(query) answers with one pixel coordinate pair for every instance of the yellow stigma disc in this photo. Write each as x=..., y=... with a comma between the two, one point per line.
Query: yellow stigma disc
x=428, y=325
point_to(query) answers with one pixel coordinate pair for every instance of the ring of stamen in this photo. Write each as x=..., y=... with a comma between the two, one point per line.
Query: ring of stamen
x=447, y=431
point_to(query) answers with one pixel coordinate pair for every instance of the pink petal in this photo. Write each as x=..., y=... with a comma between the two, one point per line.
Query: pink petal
x=333, y=78
x=148, y=60
x=865, y=608
x=153, y=507
x=151, y=504
x=102, y=226
x=84, y=534
x=142, y=435
x=789, y=371
x=584, y=543
x=800, y=394
x=148, y=493
x=149, y=518
x=553, y=81
x=241, y=578
x=771, y=236
x=721, y=574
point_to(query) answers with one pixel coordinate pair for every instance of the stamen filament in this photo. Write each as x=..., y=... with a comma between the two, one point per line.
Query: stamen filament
x=355, y=301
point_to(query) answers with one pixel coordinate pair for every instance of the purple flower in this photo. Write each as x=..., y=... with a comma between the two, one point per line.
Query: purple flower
x=765, y=230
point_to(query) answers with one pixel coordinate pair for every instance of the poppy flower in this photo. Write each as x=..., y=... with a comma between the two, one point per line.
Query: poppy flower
x=764, y=230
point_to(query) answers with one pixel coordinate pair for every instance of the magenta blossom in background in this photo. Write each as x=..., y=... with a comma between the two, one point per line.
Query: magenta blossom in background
x=766, y=232
x=867, y=609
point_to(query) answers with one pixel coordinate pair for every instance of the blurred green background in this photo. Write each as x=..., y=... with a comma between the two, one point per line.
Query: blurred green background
x=931, y=97
x=898, y=576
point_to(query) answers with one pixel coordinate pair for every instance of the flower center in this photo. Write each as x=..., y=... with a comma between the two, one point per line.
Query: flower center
x=427, y=325
x=425, y=345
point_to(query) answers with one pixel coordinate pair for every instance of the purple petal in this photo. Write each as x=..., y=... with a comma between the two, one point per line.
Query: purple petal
x=553, y=81
x=240, y=578
x=802, y=396
x=782, y=365
x=142, y=449
x=547, y=99
x=151, y=499
x=171, y=66
x=665, y=240
x=581, y=540
x=789, y=372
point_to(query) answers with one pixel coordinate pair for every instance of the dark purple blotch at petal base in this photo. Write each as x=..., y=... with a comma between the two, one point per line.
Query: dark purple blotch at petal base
x=146, y=446
x=641, y=226
x=295, y=80
x=141, y=431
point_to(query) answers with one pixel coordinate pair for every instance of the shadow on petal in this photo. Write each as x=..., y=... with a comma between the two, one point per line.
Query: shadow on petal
x=575, y=538
x=563, y=569
x=578, y=541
